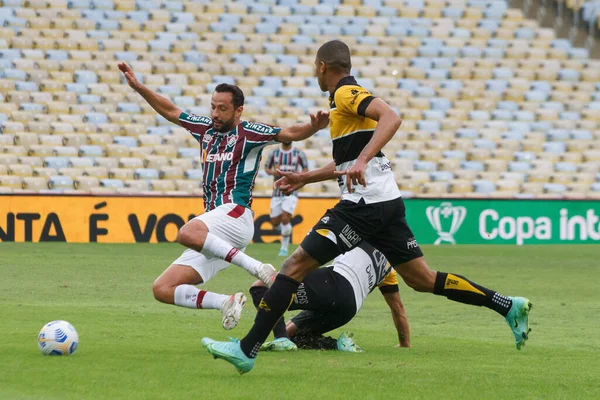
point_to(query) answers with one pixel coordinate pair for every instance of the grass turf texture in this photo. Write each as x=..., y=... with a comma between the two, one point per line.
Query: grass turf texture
x=132, y=347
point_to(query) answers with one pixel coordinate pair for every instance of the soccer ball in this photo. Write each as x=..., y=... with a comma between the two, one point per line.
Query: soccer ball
x=58, y=338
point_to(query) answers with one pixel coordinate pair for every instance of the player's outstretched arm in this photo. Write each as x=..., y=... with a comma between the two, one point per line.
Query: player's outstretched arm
x=399, y=316
x=292, y=181
x=297, y=133
x=161, y=105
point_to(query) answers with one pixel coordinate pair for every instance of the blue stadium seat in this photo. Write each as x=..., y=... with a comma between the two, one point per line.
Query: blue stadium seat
x=162, y=130
x=525, y=33
x=99, y=35
x=453, y=84
x=301, y=10
x=315, y=30
x=472, y=165
x=182, y=17
x=440, y=103
x=484, y=144
x=553, y=105
x=428, y=166
x=187, y=152
x=108, y=25
x=448, y=51
x=273, y=48
x=433, y=114
x=513, y=135
x=581, y=134
x=257, y=100
x=14, y=74
x=223, y=79
x=170, y=90
x=132, y=108
x=195, y=174
x=524, y=115
x=273, y=82
x=570, y=115
x=507, y=105
x=471, y=52
x=184, y=101
x=578, y=53
x=424, y=91
x=569, y=75
x=302, y=39
x=497, y=43
x=479, y=115
x=494, y=53
x=56, y=162
x=542, y=86
x=60, y=182
x=452, y=13
x=503, y=73
x=27, y=86
x=555, y=147
x=173, y=5
x=503, y=115
x=303, y=103
x=455, y=154
x=561, y=44
x=554, y=188
x=565, y=167
x=139, y=16
x=441, y=176
x=32, y=107
x=94, y=117
x=243, y=59
x=10, y=54
x=91, y=151
x=429, y=126
x=85, y=77
x=410, y=154
x=112, y=183
x=125, y=141
x=519, y=166
x=166, y=37
x=484, y=186
x=287, y=59
x=525, y=156
x=468, y=133
x=146, y=173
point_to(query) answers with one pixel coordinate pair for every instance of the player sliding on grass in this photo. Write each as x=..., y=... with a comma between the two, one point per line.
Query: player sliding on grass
x=331, y=296
x=371, y=209
x=230, y=153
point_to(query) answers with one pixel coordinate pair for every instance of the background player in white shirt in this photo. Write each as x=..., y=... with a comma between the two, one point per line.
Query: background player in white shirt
x=286, y=159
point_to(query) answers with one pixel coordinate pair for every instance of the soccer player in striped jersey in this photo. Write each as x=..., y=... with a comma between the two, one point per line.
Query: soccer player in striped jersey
x=230, y=151
x=287, y=159
x=371, y=209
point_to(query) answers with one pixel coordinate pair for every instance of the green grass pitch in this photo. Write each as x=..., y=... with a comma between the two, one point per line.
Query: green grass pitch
x=132, y=347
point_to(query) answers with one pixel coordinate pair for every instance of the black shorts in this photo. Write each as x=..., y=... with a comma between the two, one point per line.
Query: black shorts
x=327, y=300
x=344, y=226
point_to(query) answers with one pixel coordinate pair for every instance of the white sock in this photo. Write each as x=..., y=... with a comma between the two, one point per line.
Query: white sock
x=219, y=248
x=285, y=242
x=286, y=233
x=190, y=296
x=286, y=229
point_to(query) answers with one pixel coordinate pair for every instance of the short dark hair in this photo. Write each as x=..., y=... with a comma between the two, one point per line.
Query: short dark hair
x=336, y=55
x=236, y=93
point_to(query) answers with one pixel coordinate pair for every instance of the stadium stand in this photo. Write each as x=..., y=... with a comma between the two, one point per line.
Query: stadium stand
x=493, y=105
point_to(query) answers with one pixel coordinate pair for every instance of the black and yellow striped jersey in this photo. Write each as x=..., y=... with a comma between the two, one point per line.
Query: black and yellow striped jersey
x=350, y=131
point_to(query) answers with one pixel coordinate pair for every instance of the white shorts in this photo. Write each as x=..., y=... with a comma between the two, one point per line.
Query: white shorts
x=279, y=204
x=230, y=222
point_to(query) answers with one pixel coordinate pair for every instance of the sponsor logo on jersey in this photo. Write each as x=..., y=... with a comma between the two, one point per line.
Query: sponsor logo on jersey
x=301, y=296
x=412, y=243
x=325, y=219
x=200, y=119
x=219, y=157
x=207, y=138
x=260, y=128
x=349, y=237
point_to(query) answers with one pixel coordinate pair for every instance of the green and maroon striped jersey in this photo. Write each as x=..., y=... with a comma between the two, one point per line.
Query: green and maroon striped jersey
x=230, y=160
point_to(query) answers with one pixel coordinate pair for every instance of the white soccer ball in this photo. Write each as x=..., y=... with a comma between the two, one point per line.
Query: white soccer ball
x=58, y=338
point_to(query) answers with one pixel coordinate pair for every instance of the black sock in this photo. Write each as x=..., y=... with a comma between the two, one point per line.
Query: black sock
x=270, y=309
x=257, y=293
x=458, y=288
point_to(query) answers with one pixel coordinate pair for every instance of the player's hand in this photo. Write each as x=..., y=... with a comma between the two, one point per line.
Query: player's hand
x=129, y=75
x=320, y=120
x=354, y=175
x=289, y=182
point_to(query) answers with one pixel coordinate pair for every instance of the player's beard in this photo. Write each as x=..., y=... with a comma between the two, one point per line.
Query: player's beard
x=225, y=126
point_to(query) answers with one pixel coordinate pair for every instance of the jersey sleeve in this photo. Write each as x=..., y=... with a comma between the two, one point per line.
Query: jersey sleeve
x=270, y=160
x=389, y=283
x=351, y=99
x=302, y=161
x=195, y=124
x=260, y=134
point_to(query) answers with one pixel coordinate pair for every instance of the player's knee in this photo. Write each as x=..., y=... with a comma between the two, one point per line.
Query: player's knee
x=159, y=290
x=285, y=219
x=189, y=234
